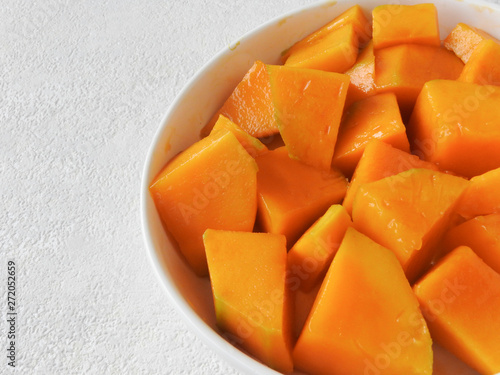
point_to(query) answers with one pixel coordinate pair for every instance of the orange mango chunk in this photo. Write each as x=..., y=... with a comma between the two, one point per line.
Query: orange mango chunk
x=376, y=117
x=481, y=196
x=308, y=108
x=356, y=325
x=380, y=160
x=408, y=213
x=457, y=126
x=212, y=184
x=334, y=52
x=405, y=24
x=293, y=195
x=404, y=69
x=250, y=105
x=460, y=299
x=252, y=303
x=464, y=39
x=353, y=16
x=483, y=66
x=482, y=235
x=362, y=75
x=251, y=144
x=310, y=257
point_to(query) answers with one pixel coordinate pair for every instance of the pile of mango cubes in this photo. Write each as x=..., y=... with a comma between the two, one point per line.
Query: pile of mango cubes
x=345, y=204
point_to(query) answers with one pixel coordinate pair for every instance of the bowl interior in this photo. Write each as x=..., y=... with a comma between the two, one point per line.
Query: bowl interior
x=197, y=102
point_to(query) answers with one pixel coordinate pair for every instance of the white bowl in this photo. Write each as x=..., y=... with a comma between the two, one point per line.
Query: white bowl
x=197, y=102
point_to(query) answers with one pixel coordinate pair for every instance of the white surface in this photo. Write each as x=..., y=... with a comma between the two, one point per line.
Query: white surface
x=84, y=86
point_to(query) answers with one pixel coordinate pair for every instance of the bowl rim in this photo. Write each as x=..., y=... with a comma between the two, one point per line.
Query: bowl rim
x=238, y=359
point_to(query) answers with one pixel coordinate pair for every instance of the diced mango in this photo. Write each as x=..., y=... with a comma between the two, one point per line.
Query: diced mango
x=310, y=257
x=252, y=303
x=362, y=75
x=483, y=66
x=353, y=16
x=481, y=196
x=250, y=105
x=251, y=144
x=308, y=108
x=357, y=325
x=212, y=184
x=460, y=299
x=404, y=69
x=464, y=39
x=408, y=213
x=419, y=132
x=457, y=126
x=395, y=24
x=376, y=117
x=293, y=195
x=380, y=160
x=482, y=235
x=334, y=52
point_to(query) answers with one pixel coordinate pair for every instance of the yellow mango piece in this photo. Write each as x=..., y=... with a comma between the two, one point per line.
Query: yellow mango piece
x=353, y=16
x=365, y=319
x=456, y=125
x=405, y=68
x=293, y=195
x=376, y=117
x=251, y=144
x=212, y=184
x=248, y=276
x=362, y=75
x=460, y=299
x=308, y=107
x=464, y=39
x=380, y=160
x=483, y=66
x=408, y=213
x=335, y=52
x=249, y=105
x=481, y=234
x=395, y=24
x=310, y=257
x=481, y=196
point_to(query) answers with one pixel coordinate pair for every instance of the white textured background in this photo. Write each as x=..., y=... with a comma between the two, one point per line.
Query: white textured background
x=83, y=87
